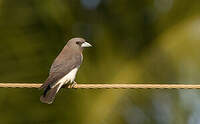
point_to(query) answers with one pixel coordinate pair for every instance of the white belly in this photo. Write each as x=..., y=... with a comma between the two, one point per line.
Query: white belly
x=69, y=77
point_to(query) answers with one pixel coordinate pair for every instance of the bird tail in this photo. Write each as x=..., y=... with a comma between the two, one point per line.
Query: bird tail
x=49, y=94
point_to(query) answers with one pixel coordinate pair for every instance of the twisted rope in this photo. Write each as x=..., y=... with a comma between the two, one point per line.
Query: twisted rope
x=108, y=86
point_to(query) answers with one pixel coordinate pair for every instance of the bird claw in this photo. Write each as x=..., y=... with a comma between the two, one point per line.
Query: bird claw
x=73, y=85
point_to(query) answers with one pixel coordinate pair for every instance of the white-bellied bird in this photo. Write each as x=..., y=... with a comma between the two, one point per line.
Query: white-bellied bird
x=64, y=69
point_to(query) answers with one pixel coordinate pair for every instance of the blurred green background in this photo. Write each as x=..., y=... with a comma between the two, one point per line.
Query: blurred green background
x=147, y=41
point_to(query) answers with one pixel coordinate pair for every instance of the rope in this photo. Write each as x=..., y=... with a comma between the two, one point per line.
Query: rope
x=108, y=86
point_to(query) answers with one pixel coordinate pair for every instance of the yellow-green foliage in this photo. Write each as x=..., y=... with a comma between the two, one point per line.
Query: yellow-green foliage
x=134, y=42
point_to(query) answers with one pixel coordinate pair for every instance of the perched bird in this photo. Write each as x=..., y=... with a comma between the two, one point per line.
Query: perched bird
x=64, y=69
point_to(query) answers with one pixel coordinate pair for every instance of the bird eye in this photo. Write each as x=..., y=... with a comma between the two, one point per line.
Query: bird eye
x=77, y=42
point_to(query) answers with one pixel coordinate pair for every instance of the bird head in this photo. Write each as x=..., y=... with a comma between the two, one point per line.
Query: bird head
x=78, y=43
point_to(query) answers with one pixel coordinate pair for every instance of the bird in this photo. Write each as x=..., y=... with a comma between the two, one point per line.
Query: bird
x=64, y=69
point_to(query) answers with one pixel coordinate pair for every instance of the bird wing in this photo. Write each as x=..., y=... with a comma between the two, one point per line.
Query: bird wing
x=61, y=66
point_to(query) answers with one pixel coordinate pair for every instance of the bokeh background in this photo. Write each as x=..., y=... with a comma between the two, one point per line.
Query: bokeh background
x=146, y=41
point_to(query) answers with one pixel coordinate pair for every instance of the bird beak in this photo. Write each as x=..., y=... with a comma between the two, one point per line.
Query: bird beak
x=86, y=44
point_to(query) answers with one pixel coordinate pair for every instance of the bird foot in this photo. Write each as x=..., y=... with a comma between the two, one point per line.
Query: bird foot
x=73, y=85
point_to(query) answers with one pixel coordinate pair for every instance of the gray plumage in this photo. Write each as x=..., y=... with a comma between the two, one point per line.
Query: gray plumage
x=69, y=59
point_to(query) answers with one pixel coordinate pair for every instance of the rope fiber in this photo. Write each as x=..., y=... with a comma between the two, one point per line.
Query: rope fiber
x=108, y=86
